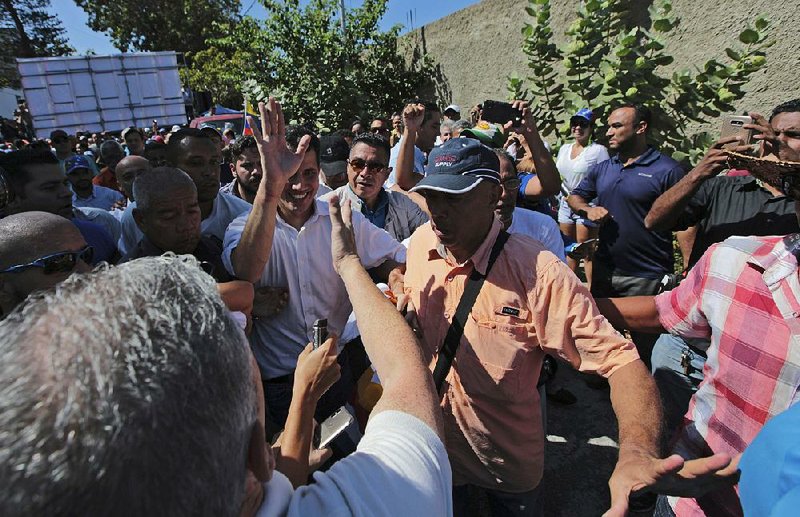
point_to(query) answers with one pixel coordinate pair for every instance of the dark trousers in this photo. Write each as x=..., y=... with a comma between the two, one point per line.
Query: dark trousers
x=501, y=504
x=606, y=284
x=278, y=392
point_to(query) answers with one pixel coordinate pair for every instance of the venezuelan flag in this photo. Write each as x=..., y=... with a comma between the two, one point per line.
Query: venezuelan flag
x=248, y=110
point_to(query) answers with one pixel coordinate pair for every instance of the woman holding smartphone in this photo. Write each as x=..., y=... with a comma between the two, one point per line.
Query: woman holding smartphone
x=574, y=161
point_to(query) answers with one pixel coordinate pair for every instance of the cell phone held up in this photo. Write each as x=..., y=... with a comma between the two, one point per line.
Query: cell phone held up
x=501, y=113
x=733, y=125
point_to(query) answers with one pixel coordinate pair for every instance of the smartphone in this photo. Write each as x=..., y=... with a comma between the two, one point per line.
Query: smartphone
x=501, y=112
x=732, y=125
x=333, y=426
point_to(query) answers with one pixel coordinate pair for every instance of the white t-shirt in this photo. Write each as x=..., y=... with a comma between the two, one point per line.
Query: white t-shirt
x=301, y=262
x=400, y=468
x=573, y=171
x=540, y=227
x=226, y=208
x=419, y=163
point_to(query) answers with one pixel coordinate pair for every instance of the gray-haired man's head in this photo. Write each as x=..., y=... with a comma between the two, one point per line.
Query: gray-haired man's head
x=167, y=210
x=128, y=391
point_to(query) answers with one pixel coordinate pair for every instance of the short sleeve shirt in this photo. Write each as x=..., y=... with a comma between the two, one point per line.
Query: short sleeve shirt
x=743, y=294
x=399, y=468
x=735, y=205
x=628, y=192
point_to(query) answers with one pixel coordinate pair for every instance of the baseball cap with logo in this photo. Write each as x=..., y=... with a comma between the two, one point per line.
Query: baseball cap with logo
x=333, y=155
x=458, y=166
x=76, y=162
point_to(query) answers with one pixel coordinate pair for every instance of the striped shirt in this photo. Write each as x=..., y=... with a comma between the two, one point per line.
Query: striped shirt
x=743, y=294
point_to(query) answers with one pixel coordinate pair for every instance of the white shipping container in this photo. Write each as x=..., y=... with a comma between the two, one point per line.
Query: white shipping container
x=102, y=93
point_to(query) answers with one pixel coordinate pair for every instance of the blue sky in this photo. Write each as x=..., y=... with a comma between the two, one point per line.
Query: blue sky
x=423, y=11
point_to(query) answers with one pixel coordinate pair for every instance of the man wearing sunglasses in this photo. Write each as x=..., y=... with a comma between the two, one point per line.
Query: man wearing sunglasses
x=367, y=171
x=37, y=251
x=380, y=126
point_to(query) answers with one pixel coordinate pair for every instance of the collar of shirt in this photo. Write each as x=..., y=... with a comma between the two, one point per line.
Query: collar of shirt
x=479, y=259
x=648, y=158
x=320, y=209
x=93, y=195
x=779, y=262
x=383, y=202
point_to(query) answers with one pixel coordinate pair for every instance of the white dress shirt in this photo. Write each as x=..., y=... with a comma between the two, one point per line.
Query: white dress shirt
x=301, y=262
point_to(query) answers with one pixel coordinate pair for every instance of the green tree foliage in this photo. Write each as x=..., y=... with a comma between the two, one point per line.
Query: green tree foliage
x=27, y=29
x=609, y=60
x=153, y=25
x=300, y=55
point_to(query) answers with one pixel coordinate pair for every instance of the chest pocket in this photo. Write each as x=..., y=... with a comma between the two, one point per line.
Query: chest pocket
x=495, y=355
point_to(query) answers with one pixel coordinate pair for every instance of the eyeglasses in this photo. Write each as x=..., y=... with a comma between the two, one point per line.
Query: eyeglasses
x=579, y=122
x=379, y=129
x=61, y=262
x=511, y=184
x=359, y=165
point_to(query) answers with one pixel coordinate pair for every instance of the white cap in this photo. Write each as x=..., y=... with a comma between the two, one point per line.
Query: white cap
x=454, y=107
x=176, y=127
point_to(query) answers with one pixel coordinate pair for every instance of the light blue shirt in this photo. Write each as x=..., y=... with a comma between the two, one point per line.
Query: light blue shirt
x=101, y=197
x=419, y=163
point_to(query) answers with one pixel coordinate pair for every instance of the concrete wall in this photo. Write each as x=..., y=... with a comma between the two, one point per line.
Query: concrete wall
x=476, y=48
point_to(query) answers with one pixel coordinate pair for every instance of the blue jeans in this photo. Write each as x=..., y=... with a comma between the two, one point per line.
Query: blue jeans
x=501, y=504
x=674, y=383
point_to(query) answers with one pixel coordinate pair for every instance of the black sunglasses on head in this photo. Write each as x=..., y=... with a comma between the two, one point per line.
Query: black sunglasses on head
x=61, y=262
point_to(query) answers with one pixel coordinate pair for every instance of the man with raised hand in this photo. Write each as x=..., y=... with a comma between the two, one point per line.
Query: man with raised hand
x=285, y=242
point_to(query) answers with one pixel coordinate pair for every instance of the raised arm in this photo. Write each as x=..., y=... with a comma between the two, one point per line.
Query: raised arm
x=549, y=181
x=280, y=163
x=669, y=206
x=388, y=340
x=404, y=174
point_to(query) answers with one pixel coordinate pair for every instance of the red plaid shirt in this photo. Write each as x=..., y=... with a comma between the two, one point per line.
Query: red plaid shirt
x=744, y=295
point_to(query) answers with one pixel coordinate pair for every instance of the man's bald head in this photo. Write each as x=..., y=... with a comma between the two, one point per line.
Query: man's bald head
x=127, y=170
x=30, y=235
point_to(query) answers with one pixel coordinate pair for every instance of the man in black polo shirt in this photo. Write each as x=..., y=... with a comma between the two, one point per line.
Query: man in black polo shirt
x=630, y=260
x=720, y=207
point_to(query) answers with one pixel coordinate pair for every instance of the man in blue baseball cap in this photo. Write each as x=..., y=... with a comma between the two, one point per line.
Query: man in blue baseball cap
x=84, y=192
x=529, y=304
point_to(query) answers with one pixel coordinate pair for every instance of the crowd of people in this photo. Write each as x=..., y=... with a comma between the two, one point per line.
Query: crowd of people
x=162, y=295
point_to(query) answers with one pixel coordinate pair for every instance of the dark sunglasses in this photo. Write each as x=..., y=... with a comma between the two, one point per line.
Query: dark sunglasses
x=61, y=262
x=379, y=129
x=580, y=122
x=358, y=165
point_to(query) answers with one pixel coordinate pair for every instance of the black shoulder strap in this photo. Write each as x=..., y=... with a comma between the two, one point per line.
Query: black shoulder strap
x=456, y=330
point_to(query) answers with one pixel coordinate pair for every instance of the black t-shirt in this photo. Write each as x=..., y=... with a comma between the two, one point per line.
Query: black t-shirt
x=735, y=205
